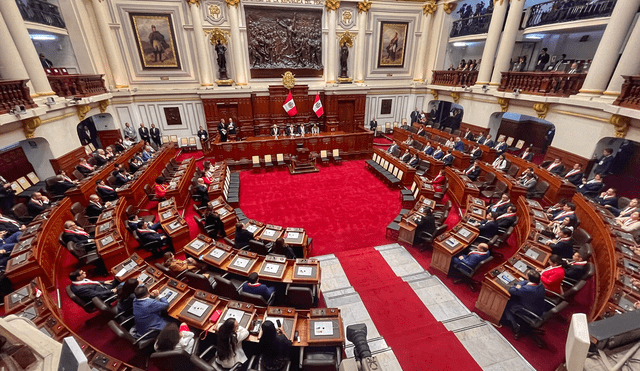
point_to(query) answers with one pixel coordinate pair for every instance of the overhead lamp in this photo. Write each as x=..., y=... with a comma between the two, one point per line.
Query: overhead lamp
x=42, y=37
x=459, y=44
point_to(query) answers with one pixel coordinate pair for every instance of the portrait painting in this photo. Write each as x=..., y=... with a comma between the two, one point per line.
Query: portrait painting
x=393, y=40
x=156, y=40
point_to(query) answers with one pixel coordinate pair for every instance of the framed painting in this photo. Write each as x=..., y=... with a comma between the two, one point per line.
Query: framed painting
x=156, y=40
x=393, y=40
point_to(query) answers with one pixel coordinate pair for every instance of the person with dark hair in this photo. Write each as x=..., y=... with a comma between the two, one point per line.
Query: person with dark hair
x=553, y=275
x=159, y=188
x=178, y=266
x=438, y=181
x=144, y=132
x=13, y=228
x=274, y=347
x=507, y=219
x=214, y=224
x=473, y=171
x=448, y=158
x=556, y=167
x=37, y=204
x=476, y=153
x=134, y=223
x=592, y=185
x=201, y=190
x=632, y=207
x=281, y=248
x=527, y=154
x=426, y=223
x=87, y=289
x=148, y=235
x=528, y=294
x=173, y=338
x=229, y=344
x=543, y=59
x=147, y=311
x=608, y=198
x=75, y=233
x=95, y=208
x=604, y=163
x=568, y=211
x=575, y=175
x=62, y=184
x=106, y=193
x=126, y=295
x=84, y=167
x=122, y=176
x=243, y=236
x=252, y=286
x=562, y=246
x=501, y=206
x=576, y=268
x=488, y=227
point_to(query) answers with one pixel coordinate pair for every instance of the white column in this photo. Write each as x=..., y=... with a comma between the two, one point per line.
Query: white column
x=203, y=59
x=508, y=41
x=116, y=65
x=11, y=67
x=628, y=64
x=236, y=44
x=24, y=45
x=360, y=44
x=604, y=62
x=491, y=43
x=330, y=68
x=419, y=70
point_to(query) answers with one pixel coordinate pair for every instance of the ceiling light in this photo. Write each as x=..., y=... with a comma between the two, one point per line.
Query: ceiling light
x=39, y=36
x=459, y=44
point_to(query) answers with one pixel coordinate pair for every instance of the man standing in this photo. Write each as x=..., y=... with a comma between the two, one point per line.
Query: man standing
x=543, y=59
x=155, y=135
x=604, y=164
x=373, y=124
x=222, y=130
x=144, y=133
x=129, y=132
x=204, y=138
x=415, y=115
x=147, y=310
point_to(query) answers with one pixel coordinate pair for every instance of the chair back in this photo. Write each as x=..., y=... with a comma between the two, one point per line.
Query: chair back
x=165, y=270
x=299, y=297
x=104, y=308
x=255, y=160
x=121, y=332
x=323, y=153
x=61, y=240
x=456, y=133
x=336, y=152
x=623, y=202
x=111, y=180
x=82, y=220
x=20, y=211
x=50, y=181
x=172, y=360
x=501, y=187
x=192, y=141
x=253, y=299
x=580, y=236
x=489, y=178
x=77, y=208
x=78, y=175
x=226, y=288
x=92, y=161
x=87, y=306
x=267, y=158
x=174, y=138
x=280, y=157
x=542, y=187
x=513, y=170
x=258, y=247
x=197, y=281
x=147, y=190
x=447, y=130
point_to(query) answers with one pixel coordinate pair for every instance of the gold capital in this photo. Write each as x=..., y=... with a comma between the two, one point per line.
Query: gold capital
x=541, y=109
x=620, y=124
x=504, y=104
x=429, y=8
x=332, y=5
x=346, y=38
x=191, y=2
x=103, y=105
x=82, y=110
x=29, y=126
x=217, y=34
x=456, y=96
x=231, y=3
x=449, y=7
x=364, y=6
x=434, y=92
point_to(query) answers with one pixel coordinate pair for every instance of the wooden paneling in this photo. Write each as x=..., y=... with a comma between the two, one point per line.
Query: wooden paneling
x=14, y=164
x=109, y=137
x=532, y=132
x=68, y=161
x=476, y=130
x=568, y=159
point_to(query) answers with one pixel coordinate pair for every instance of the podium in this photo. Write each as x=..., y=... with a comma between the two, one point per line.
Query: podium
x=302, y=163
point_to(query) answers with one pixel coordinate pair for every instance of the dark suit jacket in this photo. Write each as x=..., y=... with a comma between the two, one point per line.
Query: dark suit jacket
x=242, y=238
x=590, y=187
x=93, y=211
x=611, y=201
x=107, y=194
x=59, y=188
x=439, y=156
x=414, y=116
x=120, y=180
x=529, y=156
x=603, y=166
x=9, y=227
x=576, y=178
x=83, y=170
x=429, y=150
x=489, y=143
x=448, y=160
x=144, y=133
x=488, y=229
x=563, y=248
x=202, y=133
x=557, y=170
x=459, y=146
x=89, y=291
x=202, y=191
x=505, y=223
x=76, y=238
x=481, y=139
x=373, y=125
x=155, y=135
x=473, y=175
x=469, y=136
x=501, y=209
x=477, y=154
x=35, y=209
x=575, y=271
x=147, y=237
x=133, y=168
x=501, y=147
x=527, y=296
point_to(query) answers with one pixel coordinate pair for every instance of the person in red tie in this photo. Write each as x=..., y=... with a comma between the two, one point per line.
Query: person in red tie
x=160, y=189
x=501, y=206
x=527, y=154
x=84, y=167
x=553, y=275
x=575, y=175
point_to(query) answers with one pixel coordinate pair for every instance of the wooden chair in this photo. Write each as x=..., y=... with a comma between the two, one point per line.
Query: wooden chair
x=193, y=144
x=280, y=159
x=174, y=139
x=336, y=156
x=323, y=156
x=184, y=144
x=268, y=163
x=165, y=139
x=255, y=160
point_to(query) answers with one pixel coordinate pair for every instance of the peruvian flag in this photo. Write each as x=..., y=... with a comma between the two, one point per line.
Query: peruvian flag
x=317, y=106
x=290, y=106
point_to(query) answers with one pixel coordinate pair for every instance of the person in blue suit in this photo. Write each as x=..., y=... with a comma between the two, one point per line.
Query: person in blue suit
x=448, y=158
x=415, y=160
x=608, y=198
x=488, y=142
x=458, y=145
x=488, y=227
x=147, y=310
x=501, y=146
x=476, y=153
x=438, y=154
x=593, y=185
x=467, y=263
x=428, y=150
x=256, y=288
x=563, y=246
x=528, y=294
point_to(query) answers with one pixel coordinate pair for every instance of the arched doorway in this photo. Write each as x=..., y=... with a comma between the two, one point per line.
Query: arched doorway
x=534, y=132
x=99, y=130
x=447, y=114
x=625, y=168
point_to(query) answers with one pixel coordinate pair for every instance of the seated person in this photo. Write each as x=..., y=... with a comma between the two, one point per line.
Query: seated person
x=243, y=236
x=458, y=145
x=214, y=224
x=556, y=167
x=627, y=211
x=488, y=227
x=467, y=263
x=101, y=157
x=37, y=204
x=448, y=158
x=61, y=185
x=201, y=190
x=122, y=177
x=527, y=154
x=574, y=176
x=469, y=135
x=290, y=130
x=473, y=171
x=315, y=129
x=630, y=223
x=414, y=161
x=147, y=311
x=438, y=181
x=406, y=156
x=392, y=148
x=568, y=211
x=300, y=130
x=274, y=347
x=409, y=140
x=562, y=246
x=426, y=223
x=159, y=188
x=13, y=228
x=75, y=233
x=501, y=146
x=500, y=163
x=592, y=185
x=528, y=294
x=5, y=250
x=421, y=131
x=488, y=142
x=428, y=150
x=148, y=235
x=507, y=219
x=256, y=288
x=134, y=223
x=501, y=206
x=555, y=227
x=84, y=167
x=608, y=198
x=87, y=289
x=553, y=275
x=95, y=208
x=450, y=143
x=173, y=338
x=125, y=293
x=229, y=343
x=106, y=193
x=119, y=146
x=134, y=164
x=556, y=209
x=529, y=182
x=438, y=154
x=281, y=248
x=476, y=153
x=577, y=268
x=178, y=266
x=274, y=131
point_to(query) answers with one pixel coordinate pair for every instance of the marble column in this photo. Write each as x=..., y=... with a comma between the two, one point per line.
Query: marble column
x=26, y=49
x=508, y=40
x=330, y=67
x=10, y=66
x=198, y=30
x=419, y=70
x=491, y=43
x=236, y=43
x=628, y=64
x=363, y=8
x=604, y=61
x=116, y=65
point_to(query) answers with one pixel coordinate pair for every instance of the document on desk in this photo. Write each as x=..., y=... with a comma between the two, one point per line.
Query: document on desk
x=107, y=240
x=269, y=233
x=305, y=271
x=323, y=328
x=293, y=235
x=167, y=214
x=217, y=253
x=241, y=262
x=464, y=232
x=452, y=242
x=252, y=228
x=198, y=308
x=174, y=225
x=233, y=313
x=197, y=245
x=223, y=212
x=274, y=320
x=521, y=266
x=532, y=254
x=142, y=277
x=271, y=268
x=506, y=278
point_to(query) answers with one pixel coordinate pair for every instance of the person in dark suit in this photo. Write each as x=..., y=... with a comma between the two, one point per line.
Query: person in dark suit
x=448, y=158
x=458, y=145
x=373, y=124
x=61, y=185
x=243, y=236
x=37, y=204
x=5, y=250
x=421, y=131
x=428, y=150
x=95, y=208
x=106, y=193
x=274, y=347
x=608, y=198
x=101, y=157
x=574, y=176
x=466, y=263
x=232, y=128
x=426, y=223
x=202, y=190
x=406, y=156
x=473, y=171
x=87, y=289
x=481, y=139
x=7, y=196
x=148, y=235
x=290, y=130
x=204, y=137
x=562, y=246
x=527, y=154
x=84, y=168
x=252, y=286
x=144, y=133
x=556, y=167
x=415, y=115
x=438, y=154
x=212, y=220
x=122, y=177
x=593, y=185
x=488, y=142
x=155, y=135
x=528, y=294
x=507, y=219
x=415, y=160
x=543, y=59
x=469, y=136
x=74, y=233
x=222, y=130
x=300, y=130
x=627, y=211
x=577, y=268
x=501, y=206
x=604, y=163
x=118, y=146
x=134, y=165
x=501, y=146
x=476, y=153
x=134, y=223
x=488, y=227
x=392, y=148
x=568, y=211
x=13, y=228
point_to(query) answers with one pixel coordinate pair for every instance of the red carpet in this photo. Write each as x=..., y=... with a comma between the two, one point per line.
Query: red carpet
x=417, y=339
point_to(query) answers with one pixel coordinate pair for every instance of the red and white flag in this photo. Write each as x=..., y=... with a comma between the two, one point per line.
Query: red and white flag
x=290, y=106
x=317, y=106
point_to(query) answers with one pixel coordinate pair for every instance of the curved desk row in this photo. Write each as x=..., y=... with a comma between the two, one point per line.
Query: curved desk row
x=180, y=182
x=461, y=159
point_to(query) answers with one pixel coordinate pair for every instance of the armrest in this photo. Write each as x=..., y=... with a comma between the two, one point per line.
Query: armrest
x=528, y=313
x=236, y=367
x=181, y=274
x=129, y=316
x=553, y=293
x=272, y=298
x=206, y=351
x=230, y=242
x=199, y=363
x=88, y=255
x=111, y=299
x=146, y=335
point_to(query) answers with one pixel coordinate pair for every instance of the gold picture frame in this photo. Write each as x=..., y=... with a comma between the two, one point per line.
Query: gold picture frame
x=155, y=40
x=393, y=41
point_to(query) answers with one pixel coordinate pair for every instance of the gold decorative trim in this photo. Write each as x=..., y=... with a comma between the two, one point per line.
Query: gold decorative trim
x=344, y=80
x=456, y=96
x=103, y=104
x=449, y=7
x=620, y=124
x=231, y=3
x=206, y=84
x=611, y=93
x=429, y=8
x=30, y=125
x=228, y=82
x=569, y=113
x=591, y=91
x=364, y=6
x=35, y=95
x=61, y=117
x=214, y=11
x=122, y=86
x=346, y=37
x=347, y=16
x=191, y=2
x=494, y=84
x=83, y=109
x=358, y=81
x=541, y=109
x=288, y=80
x=499, y=1
x=216, y=35
x=434, y=92
x=241, y=83
x=331, y=82
x=330, y=5
x=418, y=80
x=504, y=104
x=47, y=93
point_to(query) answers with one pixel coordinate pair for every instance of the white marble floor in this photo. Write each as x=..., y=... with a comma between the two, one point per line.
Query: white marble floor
x=484, y=343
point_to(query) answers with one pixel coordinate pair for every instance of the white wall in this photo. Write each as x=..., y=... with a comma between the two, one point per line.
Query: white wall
x=38, y=153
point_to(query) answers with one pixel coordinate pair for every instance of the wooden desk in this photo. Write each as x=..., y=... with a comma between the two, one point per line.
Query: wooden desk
x=461, y=159
x=434, y=165
x=515, y=189
x=450, y=244
x=407, y=171
x=559, y=188
x=179, y=184
x=488, y=154
x=460, y=186
x=112, y=236
x=408, y=223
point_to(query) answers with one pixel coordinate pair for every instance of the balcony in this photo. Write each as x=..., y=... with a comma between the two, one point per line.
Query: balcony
x=14, y=93
x=551, y=12
x=471, y=26
x=630, y=95
x=78, y=86
x=454, y=78
x=40, y=11
x=556, y=84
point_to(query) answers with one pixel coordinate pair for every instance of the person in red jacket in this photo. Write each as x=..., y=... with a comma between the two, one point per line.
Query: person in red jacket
x=438, y=181
x=553, y=275
x=160, y=189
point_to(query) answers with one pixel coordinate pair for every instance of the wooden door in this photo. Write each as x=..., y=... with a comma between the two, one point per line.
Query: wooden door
x=345, y=115
x=223, y=111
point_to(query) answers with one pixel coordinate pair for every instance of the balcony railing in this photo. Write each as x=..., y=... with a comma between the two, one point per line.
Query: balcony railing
x=40, y=11
x=471, y=26
x=77, y=85
x=630, y=94
x=558, y=84
x=565, y=11
x=454, y=78
x=14, y=93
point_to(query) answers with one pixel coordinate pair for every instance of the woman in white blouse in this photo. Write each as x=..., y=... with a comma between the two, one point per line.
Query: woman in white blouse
x=230, y=337
x=500, y=163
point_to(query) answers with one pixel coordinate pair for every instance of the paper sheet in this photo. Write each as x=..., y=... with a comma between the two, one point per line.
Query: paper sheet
x=271, y=268
x=233, y=313
x=323, y=328
x=452, y=242
x=305, y=271
x=532, y=254
x=241, y=262
x=198, y=308
x=269, y=233
x=293, y=235
x=464, y=232
x=174, y=225
x=168, y=294
x=217, y=253
x=521, y=266
x=197, y=244
x=252, y=228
